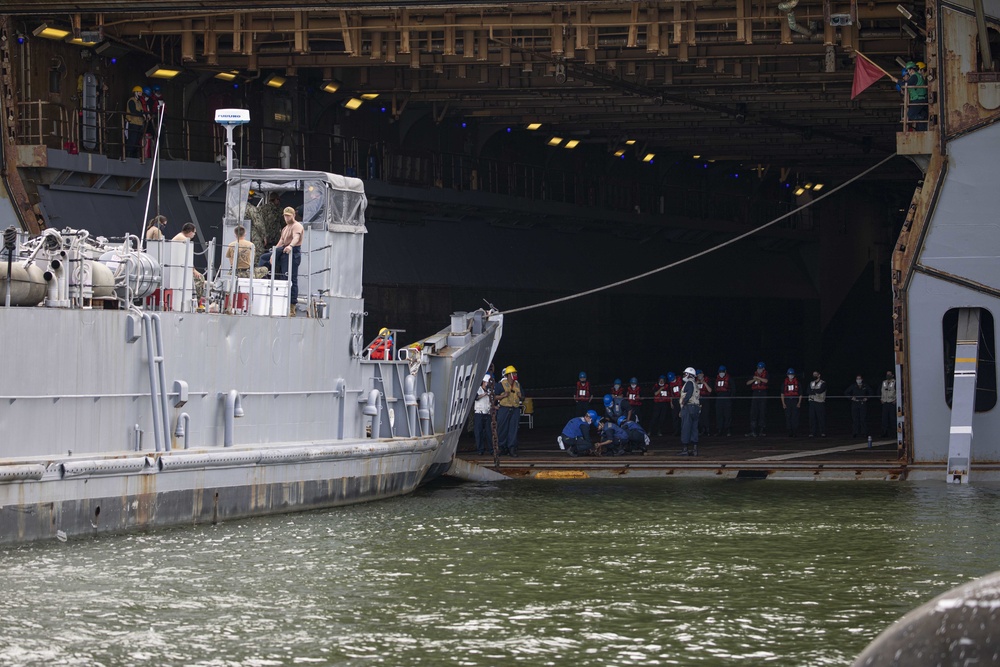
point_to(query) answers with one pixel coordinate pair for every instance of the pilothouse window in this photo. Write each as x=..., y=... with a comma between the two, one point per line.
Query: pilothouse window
x=986, y=367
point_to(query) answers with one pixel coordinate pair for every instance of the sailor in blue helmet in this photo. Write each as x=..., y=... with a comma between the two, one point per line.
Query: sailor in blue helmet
x=723, y=402
x=638, y=441
x=661, y=405
x=614, y=439
x=633, y=395
x=758, y=401
x=581, y=395
x=614, y=407
x=791, y=401
x=575, y=436
x=617, y=389
x=690, y=411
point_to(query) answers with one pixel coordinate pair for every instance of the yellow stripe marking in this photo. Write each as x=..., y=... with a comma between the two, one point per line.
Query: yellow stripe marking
x=964, y=360
x=562, y=474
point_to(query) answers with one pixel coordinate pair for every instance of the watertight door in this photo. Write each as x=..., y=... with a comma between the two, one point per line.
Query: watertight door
x=963, y=401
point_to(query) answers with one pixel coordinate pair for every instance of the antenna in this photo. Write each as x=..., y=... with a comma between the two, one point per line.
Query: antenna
x=230, y=119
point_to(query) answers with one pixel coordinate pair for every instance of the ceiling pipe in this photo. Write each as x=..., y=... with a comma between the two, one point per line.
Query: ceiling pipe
x=787, y=8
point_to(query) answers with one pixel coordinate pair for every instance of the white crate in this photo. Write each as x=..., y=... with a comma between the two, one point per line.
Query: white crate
x=260, y=303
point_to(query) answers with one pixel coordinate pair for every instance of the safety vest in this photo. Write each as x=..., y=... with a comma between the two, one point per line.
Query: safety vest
x=633, y=395
x=675, y=387
x=617, y=392
x=722, y=386
x=704, y=388
x=661, y=393
x=582, y=391
x=759, y=386
x=790, y=387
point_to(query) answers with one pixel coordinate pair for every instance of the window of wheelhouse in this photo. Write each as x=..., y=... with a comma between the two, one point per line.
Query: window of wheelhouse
x=986, y=365
x=993, y=35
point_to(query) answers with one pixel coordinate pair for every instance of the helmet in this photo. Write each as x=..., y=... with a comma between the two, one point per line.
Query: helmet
x=699, y=372
x=156, y=88
x=622, y=420
x=147, y=91
x=608, y=400
x=689, y=371
x=618, y=380
x=921, y=65
x=593, y=416
x=791, y=371
x=583, y=376
x=722, y=369
x=509, y=370
x=663, y=377
x=634, y=381
x=136, y=89
x=911, y=65
x=760, y=364
x=487, y=377
x=671, y=377
x=383, y=332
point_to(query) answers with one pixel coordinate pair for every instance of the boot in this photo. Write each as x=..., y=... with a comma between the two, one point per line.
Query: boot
x=291, y=311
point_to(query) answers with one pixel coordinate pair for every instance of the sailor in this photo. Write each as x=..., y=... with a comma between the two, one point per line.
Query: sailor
x=289, y=247
x=791, y=401
x=481, y=420
x=617, y=389
x=661, y=405
x=675, y=384
x=859, y=393
x=614, y=438
x=723, y=402
x=638, y=441
x=614, y=407
x=575, y=436
x=758, y=401
x=634, y=397
x=187, y=234
x=888, y=404
x=154, y=229
x=690, y=403
x=916, y=85
x=134, y=121
x=510, y=397
x=704, y=391
x=244, y=254
x=582, y=395
x=381, y=347
x=817, y=406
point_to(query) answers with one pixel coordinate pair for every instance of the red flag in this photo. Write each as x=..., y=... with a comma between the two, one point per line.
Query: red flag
x=865, y=74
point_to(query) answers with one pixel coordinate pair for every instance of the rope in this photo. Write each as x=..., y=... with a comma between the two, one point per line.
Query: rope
x=685, y=260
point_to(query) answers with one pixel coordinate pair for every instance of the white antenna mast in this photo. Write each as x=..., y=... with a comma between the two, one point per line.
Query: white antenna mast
x=231, y=119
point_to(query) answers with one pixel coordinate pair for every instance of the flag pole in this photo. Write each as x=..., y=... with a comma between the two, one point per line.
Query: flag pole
x=875, y=64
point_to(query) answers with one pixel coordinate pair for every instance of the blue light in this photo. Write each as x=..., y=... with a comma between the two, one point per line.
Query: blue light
x=114, y=61
x=508, y=130
x=704, y=166
x=383, y=109
x=736, y=175
x=236, y=85
x=788, y=185
x=20, y=39
x=464, y=125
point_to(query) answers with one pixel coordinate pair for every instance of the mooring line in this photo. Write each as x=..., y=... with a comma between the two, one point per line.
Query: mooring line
x=701, y=253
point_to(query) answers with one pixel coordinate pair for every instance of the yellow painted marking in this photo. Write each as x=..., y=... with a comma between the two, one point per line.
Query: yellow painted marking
x=964, y=360
x=562, y=474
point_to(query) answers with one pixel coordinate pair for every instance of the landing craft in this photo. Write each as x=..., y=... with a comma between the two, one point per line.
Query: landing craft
x=130, y=403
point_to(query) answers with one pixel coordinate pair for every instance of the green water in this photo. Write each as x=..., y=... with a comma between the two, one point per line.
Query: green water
x=568, y=573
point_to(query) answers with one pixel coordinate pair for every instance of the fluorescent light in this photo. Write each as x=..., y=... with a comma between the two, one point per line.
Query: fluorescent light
x=85, y=39
x=620, y=152
x=555, y=141
x=630, y=142
x=369, y=96
x=161, y=72
x=353, y=103
x=799, y=190
x=649, y=157
x=695, y=157
x=808, y=186
x=534, y=126
x=331, y=86
x=226, y=76
x=50, y=33
x=817, y=187
x=572, y=143
x=275, y=81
